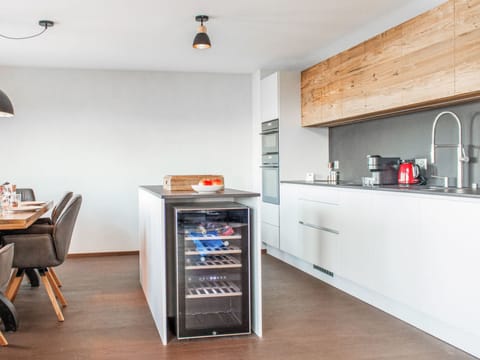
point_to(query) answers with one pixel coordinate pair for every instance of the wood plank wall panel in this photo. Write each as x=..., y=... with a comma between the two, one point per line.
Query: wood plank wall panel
x=384, y=69
x=428, y=55
x=353, y=80
x=429, y=60
x=312, y=94
x=467, y=46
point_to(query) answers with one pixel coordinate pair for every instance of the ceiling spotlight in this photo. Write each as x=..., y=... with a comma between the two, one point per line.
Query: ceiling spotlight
x=43, y=23
x=201, y=40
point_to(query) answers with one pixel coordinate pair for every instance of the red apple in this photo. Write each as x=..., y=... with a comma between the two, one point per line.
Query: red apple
x=206, y=182
x=217, y=181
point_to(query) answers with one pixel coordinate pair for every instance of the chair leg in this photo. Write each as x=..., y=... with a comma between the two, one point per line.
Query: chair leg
x=51, y=295
x=14, y=284
x=56, y=289
x=13, y=274
x=3, y=341
x=55, y=277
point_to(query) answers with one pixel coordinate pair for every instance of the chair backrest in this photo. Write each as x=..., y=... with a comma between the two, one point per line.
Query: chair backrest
x=27, y=194
x=62, y=233
x=6, y=258
x=58, y=209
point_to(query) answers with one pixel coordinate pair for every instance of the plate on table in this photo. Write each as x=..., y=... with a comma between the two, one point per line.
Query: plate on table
x=24, y=208
x=33, y=203
x=207, y=188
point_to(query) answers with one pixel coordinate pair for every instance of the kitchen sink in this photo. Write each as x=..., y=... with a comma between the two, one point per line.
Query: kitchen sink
x=451, y=190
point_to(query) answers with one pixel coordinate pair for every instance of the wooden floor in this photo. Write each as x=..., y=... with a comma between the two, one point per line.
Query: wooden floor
x=107, y=318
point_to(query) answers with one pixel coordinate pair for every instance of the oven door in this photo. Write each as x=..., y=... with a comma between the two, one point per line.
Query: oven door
x=270, y=142
x=270, y=184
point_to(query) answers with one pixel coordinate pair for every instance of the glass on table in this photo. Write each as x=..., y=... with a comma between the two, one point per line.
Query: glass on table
x=15, y=200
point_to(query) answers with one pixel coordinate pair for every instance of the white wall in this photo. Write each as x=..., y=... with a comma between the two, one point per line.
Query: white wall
x=104, y=133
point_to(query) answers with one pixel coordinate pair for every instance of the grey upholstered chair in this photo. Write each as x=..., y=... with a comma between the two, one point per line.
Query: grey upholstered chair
x=7, y=310
x=27, y=194
x=39, y=228
x=44, y=251
x=57, y=210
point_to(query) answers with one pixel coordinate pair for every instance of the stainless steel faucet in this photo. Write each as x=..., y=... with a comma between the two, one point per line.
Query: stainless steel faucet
x=461, y=157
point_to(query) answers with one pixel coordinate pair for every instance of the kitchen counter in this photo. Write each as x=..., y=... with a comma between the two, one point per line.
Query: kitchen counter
x=413, y=189
x=402, y=249
x=159, y=191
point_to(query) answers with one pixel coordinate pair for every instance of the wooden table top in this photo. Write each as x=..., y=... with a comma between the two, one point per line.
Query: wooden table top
x=17, y=219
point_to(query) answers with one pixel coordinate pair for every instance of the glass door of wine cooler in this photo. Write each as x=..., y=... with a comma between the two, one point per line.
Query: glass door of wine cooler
x=213, y=270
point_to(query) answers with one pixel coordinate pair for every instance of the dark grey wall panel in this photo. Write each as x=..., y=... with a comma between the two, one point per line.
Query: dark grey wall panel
x=408, y=136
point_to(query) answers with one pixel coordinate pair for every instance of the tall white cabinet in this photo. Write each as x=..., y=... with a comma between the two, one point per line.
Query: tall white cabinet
x=301, y=150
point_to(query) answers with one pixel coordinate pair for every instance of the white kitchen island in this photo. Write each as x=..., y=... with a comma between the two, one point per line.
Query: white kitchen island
x=156, y=237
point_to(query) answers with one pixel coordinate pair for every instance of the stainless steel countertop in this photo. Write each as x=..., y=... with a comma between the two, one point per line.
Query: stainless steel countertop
x=413, y=189
x=159, y=191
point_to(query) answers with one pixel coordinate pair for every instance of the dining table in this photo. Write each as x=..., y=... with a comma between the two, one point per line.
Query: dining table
x=17, y=218
x=24, y=215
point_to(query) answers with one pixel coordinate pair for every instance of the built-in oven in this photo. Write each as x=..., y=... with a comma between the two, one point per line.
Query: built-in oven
x=270, y=169
x=270, y=179
x=270, y=137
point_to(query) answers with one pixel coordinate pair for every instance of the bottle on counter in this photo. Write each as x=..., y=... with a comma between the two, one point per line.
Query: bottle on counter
x=333, y=172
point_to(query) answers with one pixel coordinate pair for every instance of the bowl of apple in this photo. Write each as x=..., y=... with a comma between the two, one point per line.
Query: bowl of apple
x=208, y=185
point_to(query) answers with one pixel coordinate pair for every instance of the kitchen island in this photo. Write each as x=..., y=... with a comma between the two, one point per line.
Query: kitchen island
x=157, y=239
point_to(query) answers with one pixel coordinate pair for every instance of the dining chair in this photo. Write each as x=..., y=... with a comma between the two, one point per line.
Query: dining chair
x=39, y=227
x=7, y=310
x=42, y=252
x=27, y=194
x=57, y=210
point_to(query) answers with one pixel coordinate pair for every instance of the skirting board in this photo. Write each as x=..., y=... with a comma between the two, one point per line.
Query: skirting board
x=435, y=327
x=98, y=254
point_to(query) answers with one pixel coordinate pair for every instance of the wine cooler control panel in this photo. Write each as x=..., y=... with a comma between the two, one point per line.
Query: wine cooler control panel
x=213, y=270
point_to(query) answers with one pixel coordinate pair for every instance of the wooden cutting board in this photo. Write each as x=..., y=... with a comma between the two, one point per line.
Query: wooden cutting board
x=185, y=182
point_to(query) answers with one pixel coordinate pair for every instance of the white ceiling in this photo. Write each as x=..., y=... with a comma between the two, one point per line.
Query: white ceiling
x=246, y=35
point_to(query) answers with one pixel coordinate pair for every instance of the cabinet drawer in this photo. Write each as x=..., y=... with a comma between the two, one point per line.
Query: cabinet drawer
x=319, y=214
x=320, y=193
x=271, y=213
x=270, y=235
x=318, y=247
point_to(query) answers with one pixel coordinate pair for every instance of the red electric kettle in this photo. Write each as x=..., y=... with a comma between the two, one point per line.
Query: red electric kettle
x=408, y=173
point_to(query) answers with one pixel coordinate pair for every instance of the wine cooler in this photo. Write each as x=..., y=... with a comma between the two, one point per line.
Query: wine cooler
x=213, y=270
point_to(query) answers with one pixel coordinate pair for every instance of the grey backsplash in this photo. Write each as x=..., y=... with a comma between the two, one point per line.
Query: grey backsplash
x=409, y=136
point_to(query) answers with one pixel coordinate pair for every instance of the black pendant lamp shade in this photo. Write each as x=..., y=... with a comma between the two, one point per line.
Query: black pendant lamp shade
x=6, y=107
x=201, y=41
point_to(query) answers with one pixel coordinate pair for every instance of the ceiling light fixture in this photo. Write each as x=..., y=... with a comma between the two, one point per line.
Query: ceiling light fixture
x=6, y=107
x=201, y=40
x=43, y=23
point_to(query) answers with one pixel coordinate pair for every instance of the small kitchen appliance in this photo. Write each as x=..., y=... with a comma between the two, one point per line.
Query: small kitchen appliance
x=408, y=173
x=384, y=169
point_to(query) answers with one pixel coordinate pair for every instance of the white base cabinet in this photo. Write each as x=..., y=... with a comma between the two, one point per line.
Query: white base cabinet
x=310, y=225
x=270, y=224
x=416, y=253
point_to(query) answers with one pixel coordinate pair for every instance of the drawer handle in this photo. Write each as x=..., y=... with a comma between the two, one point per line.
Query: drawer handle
x=318, y=227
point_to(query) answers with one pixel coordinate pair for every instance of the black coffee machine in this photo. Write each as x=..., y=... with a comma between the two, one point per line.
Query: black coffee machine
x=384, y=169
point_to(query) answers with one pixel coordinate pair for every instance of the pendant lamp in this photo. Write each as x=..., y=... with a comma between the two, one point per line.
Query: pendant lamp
x=201, y=41
x=6, y=107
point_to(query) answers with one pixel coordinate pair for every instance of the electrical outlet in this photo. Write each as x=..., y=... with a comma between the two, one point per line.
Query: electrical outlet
x=422, y=163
